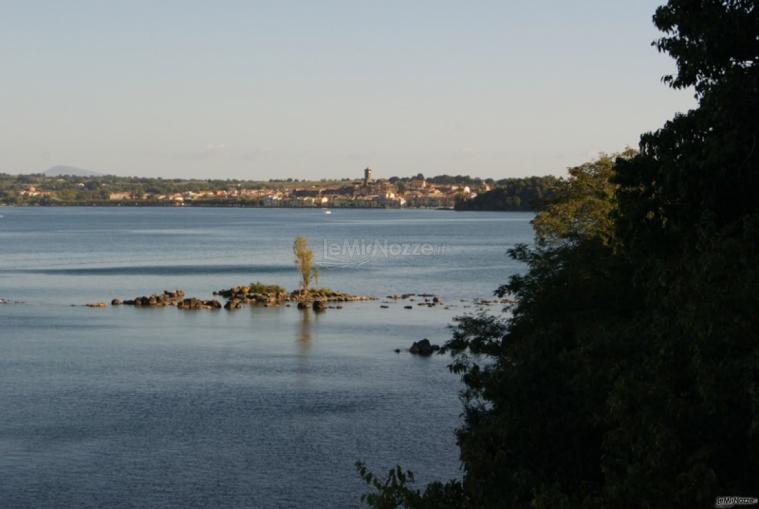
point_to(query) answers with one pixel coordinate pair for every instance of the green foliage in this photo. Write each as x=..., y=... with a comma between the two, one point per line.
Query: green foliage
x=304, y=261
x=265, y=289
x=627, y=372
x=396, y=491
x=582, y=207
x=463, y=180
x=518, y=194
x=324, y=292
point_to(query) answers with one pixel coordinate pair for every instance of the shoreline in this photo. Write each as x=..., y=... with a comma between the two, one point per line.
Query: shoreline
x=231, y=205
x=237, y=206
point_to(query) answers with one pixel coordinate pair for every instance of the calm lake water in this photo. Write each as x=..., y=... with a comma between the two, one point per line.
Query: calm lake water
x=261, y=407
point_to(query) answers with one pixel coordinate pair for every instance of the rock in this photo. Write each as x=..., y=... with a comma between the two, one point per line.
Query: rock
x=384, y=307
x=233, y=304
x=194, y=303
x=397, y=350
x=319, y=306
x=97, y=305
x=166, y=298
x=186, y=303
x=6, y=301
x=408, y=307
x=258, y=293
x=423, y=347
x=302, y=305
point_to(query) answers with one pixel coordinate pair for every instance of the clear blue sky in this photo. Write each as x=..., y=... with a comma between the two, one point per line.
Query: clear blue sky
x=311, y=89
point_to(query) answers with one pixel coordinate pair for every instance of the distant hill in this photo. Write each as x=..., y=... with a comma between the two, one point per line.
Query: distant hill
x=60, y=170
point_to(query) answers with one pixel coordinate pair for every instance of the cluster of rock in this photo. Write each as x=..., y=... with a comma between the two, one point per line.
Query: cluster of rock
x=411, y=296
x=327, y=295
x=164, y=299
x=258, y=294
x=322, y=299
x=174, y=298
x=318, y=299
x=194, y=303
x=412, y=300
x=421, y=299
x=239, y=296
x=6, y=301
x=492, y=302
x=423, y=347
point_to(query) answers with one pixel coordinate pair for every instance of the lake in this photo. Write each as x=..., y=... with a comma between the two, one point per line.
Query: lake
x=127, y=407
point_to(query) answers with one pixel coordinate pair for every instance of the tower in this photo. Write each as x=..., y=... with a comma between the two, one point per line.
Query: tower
x=368, y=176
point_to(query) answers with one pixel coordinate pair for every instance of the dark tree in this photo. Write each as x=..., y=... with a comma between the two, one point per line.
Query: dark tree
x=627, y=374
x=515, y=194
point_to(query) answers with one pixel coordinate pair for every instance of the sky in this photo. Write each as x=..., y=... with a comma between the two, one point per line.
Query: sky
x=321, y=89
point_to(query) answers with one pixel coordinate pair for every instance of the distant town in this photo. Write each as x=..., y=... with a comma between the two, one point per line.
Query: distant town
x=444, y=191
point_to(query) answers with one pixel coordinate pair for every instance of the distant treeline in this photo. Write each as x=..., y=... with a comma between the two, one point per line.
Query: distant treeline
x=507, y=194
x=516, y=194
x=71, y=188
x=462, y=180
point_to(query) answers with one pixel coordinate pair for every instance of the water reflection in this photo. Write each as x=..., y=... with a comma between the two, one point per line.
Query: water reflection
x=303, y=335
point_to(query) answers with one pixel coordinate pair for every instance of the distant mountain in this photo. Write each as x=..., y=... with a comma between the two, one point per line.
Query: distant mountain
x=60, y=170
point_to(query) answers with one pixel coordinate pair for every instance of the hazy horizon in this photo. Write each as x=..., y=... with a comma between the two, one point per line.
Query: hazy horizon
x=64, y=170
x=261, y=90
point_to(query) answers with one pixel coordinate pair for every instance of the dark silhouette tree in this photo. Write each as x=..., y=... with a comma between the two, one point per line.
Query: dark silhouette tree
x=627, y=372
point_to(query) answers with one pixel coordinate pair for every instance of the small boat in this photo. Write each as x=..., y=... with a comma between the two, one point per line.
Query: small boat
x=327, y=211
